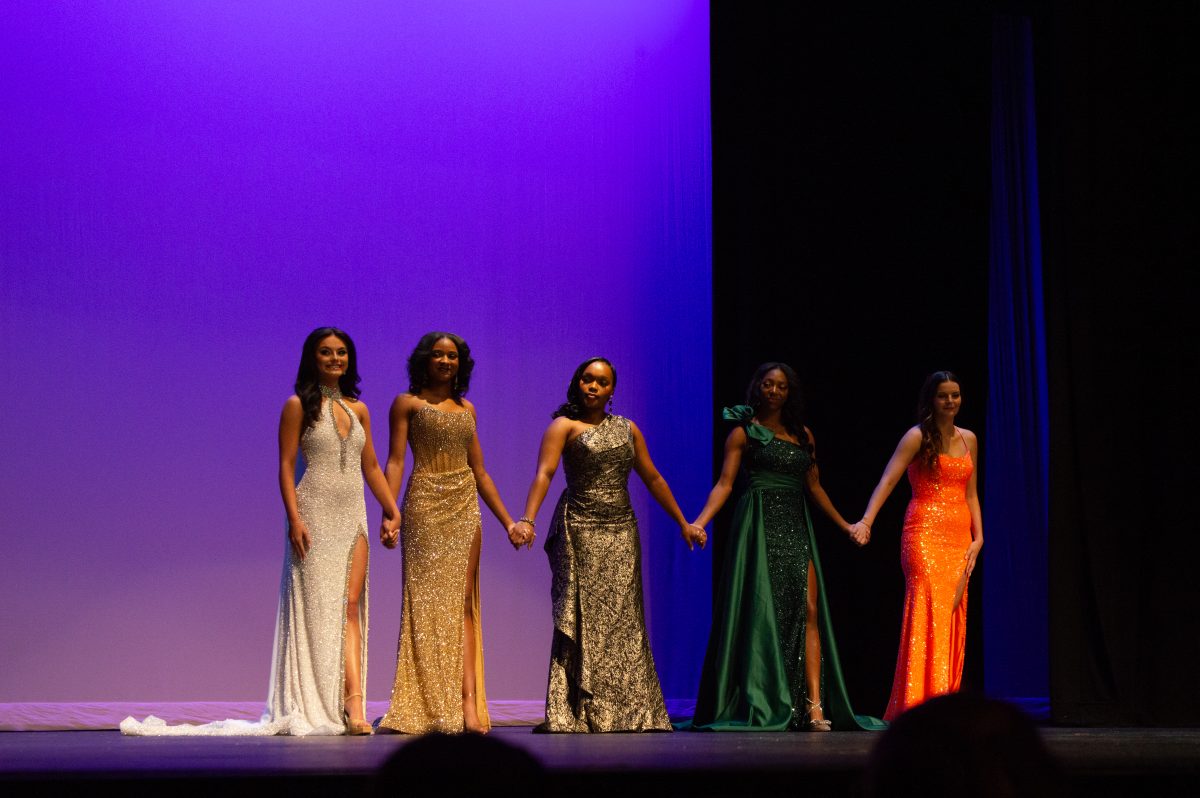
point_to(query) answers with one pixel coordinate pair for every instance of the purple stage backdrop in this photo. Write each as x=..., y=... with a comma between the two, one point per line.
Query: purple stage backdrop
x=188, y=188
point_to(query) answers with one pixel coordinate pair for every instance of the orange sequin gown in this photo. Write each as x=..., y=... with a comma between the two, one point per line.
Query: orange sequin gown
x=933, y=633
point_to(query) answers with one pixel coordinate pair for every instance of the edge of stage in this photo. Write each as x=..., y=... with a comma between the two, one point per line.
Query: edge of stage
x=1111, y=761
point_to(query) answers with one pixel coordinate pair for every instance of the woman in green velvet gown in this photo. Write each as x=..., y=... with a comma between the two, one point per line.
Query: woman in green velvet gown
x=772, y=663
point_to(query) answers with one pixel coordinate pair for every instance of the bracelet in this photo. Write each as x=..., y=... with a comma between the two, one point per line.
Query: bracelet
x=524, y=520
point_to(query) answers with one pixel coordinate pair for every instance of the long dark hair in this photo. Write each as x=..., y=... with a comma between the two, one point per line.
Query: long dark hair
x=308, y=387
x=931, y=436
x=418, y=365
x=792, y=412
x=573, y=407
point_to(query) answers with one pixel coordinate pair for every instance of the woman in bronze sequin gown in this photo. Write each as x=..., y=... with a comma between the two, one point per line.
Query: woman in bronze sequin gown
x=602, y=676
x=439, y=666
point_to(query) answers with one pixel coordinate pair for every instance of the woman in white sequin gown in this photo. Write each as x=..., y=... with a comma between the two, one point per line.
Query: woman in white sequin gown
x=318, y=673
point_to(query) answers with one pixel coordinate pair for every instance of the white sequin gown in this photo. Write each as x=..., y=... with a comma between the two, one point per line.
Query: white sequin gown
x=308, y=669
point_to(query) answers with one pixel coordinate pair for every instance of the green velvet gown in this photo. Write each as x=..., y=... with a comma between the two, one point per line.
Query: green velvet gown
x=753, y=678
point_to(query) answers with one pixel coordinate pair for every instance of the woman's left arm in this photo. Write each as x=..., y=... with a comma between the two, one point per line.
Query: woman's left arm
x=973, y=505
x=483, y=482
x=389, y=530
x=820, y=498
x=661, y=492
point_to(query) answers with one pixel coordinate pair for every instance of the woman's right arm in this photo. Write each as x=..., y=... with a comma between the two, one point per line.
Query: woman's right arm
x=397, y=442
x=291, y=421
x=906, y=450
x=735, y=444
x=553, y=442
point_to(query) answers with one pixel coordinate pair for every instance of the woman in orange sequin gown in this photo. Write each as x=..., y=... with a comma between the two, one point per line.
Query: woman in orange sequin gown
x=943, y=533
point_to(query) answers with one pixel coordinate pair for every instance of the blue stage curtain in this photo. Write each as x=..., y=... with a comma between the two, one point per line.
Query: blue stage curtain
x=1015, y=447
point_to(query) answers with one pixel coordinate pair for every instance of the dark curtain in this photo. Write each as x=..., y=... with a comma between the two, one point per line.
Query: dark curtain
x=1015, y=447
x=850, y=239
x=1119, y=130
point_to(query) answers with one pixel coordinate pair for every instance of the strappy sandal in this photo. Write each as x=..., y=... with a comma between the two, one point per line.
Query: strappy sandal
x=815, y=724
x=355, y=728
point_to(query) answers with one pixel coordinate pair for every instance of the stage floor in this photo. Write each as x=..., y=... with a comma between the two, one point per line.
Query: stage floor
x=1096, y=762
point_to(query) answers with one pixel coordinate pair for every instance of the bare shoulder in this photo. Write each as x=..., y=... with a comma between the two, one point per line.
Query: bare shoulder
x=561, y=426
x=737, y=436
x=403, y=402
x=292, y=406
x=912, y=438
x=809, y=433
x=360, y=409
x=469, y=406
x=968, y=436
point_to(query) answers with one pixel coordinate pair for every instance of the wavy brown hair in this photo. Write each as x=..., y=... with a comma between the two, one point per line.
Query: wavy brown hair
x=308, y=387
x=931, y=436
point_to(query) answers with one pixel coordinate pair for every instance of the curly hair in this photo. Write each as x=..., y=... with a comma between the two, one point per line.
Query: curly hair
x=792, y=412
x=308, y=387
x=931, y=436
x=573, y=407
x=418, y=365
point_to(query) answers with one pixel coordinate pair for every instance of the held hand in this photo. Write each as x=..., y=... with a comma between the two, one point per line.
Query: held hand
x=521, y=534
x=693, y=534
x=972, y=555
x=860, y=533
x=300, y=539
x=389, y=532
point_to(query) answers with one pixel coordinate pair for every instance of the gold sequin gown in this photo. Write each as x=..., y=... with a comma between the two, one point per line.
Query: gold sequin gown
x=602, y=675
x=440, y=521
x=306, y=693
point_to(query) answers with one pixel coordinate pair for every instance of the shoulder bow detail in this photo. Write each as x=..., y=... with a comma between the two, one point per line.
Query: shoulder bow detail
x=742, y=415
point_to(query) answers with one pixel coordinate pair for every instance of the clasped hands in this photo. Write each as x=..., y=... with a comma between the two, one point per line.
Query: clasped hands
x=860, y=533
x=389, y=531
x=521, y=533
x=693, y=534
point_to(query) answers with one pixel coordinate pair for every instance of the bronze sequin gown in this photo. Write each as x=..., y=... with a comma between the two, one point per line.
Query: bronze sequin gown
x=441, y=519
x=602, y=674
x=308, y=667
x=933, y=632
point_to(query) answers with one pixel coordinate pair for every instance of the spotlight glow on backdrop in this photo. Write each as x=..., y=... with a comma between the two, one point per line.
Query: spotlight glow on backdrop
x=186, y=189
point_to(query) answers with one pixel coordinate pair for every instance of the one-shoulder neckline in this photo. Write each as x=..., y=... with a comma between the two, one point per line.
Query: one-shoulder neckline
x=775, y=435
x=592, y=429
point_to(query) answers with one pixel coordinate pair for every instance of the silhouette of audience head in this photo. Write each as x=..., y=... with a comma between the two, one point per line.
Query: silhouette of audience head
x=459, y=765
x=962, y=744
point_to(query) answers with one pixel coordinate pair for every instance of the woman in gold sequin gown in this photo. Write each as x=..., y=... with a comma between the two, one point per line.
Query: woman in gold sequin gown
x=940, y=543
x=318, y=673
x=772, y=661
x=602, y=676
x=439, y=682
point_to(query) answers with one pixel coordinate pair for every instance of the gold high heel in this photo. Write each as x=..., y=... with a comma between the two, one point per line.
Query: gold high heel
x=817, y=724
x=355, y=728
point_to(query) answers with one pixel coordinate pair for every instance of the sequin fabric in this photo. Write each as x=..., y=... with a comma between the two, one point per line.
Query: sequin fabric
x=308, y=669
x=602, y=675
x=789, y=551
x=933, y=631
x=440, y=520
